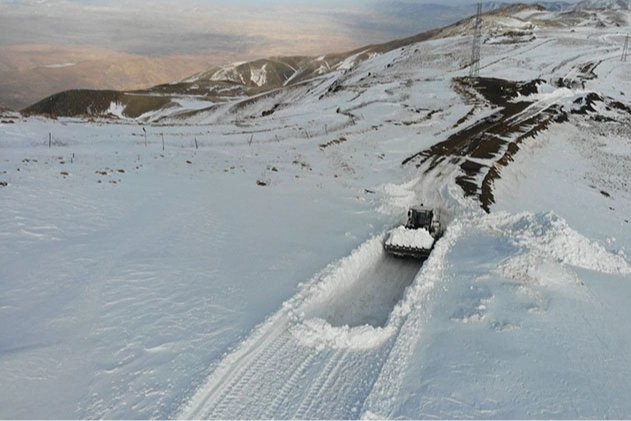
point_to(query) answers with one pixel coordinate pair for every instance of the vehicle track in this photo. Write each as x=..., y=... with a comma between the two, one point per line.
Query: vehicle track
x=321, y=384
x=275, y=373
x=234, y=373
x=287, y=387
x=280, y=378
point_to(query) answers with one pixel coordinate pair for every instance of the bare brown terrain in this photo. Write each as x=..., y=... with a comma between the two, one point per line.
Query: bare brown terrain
x=217, y=83
x=29, y=73
x=483, y=148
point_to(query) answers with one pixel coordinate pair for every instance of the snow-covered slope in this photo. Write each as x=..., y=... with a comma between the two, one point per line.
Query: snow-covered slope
x=228, y=262
x=604, y=4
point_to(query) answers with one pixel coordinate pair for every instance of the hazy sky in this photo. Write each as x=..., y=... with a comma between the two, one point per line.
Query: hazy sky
x=226, y=29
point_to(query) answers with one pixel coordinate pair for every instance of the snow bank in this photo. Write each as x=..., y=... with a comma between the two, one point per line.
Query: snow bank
x=349, y=287
x=403, y=237
x=549, y=237
x=319, y=334
x=399, y=197
x=318, y=306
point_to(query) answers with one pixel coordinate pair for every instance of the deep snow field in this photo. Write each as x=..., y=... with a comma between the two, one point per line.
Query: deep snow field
x=244, y=277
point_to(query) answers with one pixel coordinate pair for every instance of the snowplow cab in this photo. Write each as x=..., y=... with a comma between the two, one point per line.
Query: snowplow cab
x=420, y=217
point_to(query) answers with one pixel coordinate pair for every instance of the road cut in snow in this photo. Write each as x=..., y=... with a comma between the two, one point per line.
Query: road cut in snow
x=516, y=329
x=326, y=345
x=351, y=305
x=416, y=238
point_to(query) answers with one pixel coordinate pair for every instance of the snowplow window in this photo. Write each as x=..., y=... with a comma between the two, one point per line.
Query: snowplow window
x=423, y=218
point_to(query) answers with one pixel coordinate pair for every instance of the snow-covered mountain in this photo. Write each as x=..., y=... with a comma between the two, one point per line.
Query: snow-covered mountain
x=604, y=4
x=411, y=14
x=242, y=80
x=239, y=80
x=226, y=260
x=555, y=6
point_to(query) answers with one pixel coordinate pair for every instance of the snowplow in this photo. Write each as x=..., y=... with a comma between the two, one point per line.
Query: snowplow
x=417, y=237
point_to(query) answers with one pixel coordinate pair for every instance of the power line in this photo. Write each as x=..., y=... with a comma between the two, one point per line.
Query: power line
x=474, y=70
x=477, y=41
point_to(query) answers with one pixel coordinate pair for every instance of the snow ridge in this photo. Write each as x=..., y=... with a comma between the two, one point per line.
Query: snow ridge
x=549, y=237
x=604, y=4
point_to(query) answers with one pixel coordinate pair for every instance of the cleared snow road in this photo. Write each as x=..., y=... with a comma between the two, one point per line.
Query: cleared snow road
x=321, y=354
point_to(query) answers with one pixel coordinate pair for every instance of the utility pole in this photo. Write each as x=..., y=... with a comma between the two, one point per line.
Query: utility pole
x=625, y=50
x=474, y=69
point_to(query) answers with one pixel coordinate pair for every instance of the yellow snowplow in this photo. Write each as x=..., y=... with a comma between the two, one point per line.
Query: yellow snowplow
x=417, y=237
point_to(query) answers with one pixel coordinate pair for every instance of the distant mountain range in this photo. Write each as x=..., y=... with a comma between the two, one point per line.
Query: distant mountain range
x=218, y=84
x=30, y=72
x=410, y=16
x=239, y=81
x=604, y=4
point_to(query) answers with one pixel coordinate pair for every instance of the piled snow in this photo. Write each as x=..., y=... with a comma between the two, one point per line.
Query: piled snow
x=319, y=334
x=400, y=197
x=492, y=343
x=346, y=307
x=549, y=237
x=416, y=238
x=411, y=314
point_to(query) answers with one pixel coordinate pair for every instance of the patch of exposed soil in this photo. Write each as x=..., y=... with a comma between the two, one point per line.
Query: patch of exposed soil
x=485, y=147
x=342, y=139
x=82, y=102
x=494, y=139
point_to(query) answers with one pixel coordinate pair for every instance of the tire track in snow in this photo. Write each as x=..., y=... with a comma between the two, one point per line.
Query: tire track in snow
x=272, y=379
x=232, y=376
x=288, y=369
x=320, y=384
x=286, y=389
x=351, y=384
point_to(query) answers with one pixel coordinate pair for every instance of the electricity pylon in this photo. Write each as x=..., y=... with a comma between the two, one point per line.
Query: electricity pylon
x=474, y=70
x=625, y=50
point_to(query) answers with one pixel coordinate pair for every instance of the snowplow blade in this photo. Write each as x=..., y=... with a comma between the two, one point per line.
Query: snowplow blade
x=404, y=242
x=402, y=251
